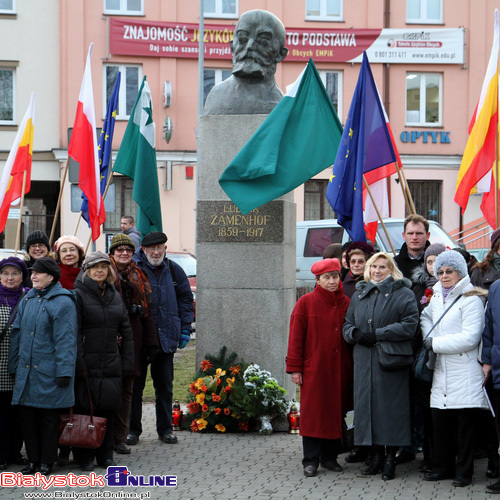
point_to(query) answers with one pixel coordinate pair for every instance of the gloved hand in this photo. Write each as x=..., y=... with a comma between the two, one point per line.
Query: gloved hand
x=63, y=381
x=367, y=339
x=355, y=335
x=427, y=341
x=184, y=339
x=151, y=352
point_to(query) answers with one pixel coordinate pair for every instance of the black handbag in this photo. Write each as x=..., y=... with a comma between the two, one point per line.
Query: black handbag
x=420, y=368
x=394, y=356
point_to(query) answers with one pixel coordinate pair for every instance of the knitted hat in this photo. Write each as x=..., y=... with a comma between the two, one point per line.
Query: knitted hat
x=452, y=259
x=94, y=258
x=366, y=248
x=434, y=249
x=154, y=238
x=69, y=239
x=119, y=240
x=494, y=237
x=37, y=237
x=325, y=266
x=47, y=265
x=14, y=261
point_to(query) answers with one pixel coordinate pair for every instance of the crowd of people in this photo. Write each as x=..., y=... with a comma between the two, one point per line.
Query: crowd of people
x=358, y=335
x=79, y=331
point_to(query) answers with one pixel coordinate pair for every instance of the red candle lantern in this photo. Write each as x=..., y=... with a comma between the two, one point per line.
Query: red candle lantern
x=177, y=416
x=293, y=420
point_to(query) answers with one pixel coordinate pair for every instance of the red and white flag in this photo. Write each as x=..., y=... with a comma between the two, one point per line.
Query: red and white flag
x=83, y=149
x=18, y=162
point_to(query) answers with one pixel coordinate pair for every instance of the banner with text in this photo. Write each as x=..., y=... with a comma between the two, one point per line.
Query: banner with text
x=409, y=46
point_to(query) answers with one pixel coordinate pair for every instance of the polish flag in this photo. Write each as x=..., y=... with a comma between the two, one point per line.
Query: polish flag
x=83, y=149
x=377, y=181
x=18, y=162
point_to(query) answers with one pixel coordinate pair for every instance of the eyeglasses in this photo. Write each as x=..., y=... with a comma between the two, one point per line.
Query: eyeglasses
x=446, y=271
x=124, y=250
x=38, y=245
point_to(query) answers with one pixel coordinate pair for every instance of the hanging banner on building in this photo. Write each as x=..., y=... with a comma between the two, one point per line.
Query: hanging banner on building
x=408, y=46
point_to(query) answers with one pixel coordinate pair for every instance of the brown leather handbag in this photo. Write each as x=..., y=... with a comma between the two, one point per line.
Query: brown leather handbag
x=82, y=431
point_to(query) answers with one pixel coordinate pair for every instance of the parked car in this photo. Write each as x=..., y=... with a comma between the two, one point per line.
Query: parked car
x=479, y=253
x=188, y=264
x=10, y=252
x=313, y=236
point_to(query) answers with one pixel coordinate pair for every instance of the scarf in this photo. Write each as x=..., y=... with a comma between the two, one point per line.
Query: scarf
x=496, y=262
x=446, y=291
x=377, y=283
x=132, y=285
x=10, y=297
x=68, y=276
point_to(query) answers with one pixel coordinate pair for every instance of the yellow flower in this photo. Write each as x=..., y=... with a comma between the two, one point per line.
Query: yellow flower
x=198, y=383
x=230, y=381
x=220, y=428
x=219, y=372
x=200, y=398
x=202, y=423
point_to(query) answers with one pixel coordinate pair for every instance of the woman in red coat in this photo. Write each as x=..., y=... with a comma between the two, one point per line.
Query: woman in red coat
x=320, y=361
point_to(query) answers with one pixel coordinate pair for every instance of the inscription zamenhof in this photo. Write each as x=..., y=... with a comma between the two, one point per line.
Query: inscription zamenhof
x=223, y=222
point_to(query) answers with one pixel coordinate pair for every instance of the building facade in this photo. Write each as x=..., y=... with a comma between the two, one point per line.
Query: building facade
x=428, y=58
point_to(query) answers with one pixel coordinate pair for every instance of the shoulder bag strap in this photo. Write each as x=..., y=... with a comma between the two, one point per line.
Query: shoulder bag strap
x=442, y=315
x=11, y=318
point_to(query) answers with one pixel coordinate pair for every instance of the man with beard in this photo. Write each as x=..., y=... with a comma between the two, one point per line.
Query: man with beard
x=172, y=310
x=258, y=45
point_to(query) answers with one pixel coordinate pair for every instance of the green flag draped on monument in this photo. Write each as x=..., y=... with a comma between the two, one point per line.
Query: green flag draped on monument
x=298, y=139
x=137, y=159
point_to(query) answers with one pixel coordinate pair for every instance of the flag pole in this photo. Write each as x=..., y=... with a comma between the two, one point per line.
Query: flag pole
x=368, y=190
x=78, y=223
x=401, y=183
x=58, y=206
x=495, y=173
x=18, y=233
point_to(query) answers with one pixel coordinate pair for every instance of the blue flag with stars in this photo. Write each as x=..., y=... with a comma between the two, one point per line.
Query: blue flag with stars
x=365, y=146
x=104, y=145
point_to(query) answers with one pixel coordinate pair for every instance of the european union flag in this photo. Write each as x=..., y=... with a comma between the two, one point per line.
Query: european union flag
x=104, y=144
x=365, y=146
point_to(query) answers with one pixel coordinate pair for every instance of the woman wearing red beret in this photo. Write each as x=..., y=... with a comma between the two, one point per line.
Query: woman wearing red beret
x=320, y=361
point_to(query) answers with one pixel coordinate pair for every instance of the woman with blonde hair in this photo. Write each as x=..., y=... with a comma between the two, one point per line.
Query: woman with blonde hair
x=383, y=310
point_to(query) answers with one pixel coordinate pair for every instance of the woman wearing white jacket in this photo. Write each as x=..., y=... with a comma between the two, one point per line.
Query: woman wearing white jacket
x=457, y=393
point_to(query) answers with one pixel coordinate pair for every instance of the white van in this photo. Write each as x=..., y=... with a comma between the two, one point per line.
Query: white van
x=313, y=236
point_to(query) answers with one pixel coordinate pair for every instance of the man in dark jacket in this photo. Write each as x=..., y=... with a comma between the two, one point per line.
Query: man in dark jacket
x=172, y=310
x=128, y=228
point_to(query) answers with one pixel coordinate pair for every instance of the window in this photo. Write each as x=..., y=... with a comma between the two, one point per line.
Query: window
x=124, y=204
x=212, y=77
x=332, y=80
x=427, y=198
x=129, y=86
x=7, y=95
x=7, y=6
x=423, y=99
x=124, y=7
x=324, y=10
x=316, y=205
x=221, y=8
x=424, y=11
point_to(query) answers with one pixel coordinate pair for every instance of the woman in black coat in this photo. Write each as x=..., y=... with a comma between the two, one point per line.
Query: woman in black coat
x=105, y=351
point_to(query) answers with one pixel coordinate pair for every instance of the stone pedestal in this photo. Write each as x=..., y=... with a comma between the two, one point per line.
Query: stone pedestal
x=246, y=263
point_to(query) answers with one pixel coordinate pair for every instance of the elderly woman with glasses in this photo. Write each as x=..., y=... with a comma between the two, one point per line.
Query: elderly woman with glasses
x=320, y=362
x=457, y=392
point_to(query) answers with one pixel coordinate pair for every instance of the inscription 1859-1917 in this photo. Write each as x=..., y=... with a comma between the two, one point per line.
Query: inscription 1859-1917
x=221, y=221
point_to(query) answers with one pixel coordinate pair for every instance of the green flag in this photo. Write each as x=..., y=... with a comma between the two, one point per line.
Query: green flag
x=137, y=159
x=298, y=139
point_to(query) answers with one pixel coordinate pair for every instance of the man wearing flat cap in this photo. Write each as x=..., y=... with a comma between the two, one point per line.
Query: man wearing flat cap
x=173, y=312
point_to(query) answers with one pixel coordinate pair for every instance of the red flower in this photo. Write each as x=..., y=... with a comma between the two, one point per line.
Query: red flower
x=193, y=407
x=205, y=365
x=193, y=389
x=227, y=411
x=204, y=388
x=204, y=407
x=243, y=426
x=235, y=370
x=194, y=426
x=219, y=381
x=217, y=411
x=227, y=389
x=215, y=397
